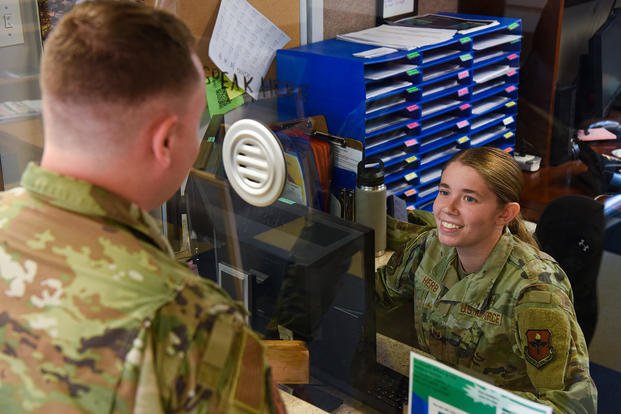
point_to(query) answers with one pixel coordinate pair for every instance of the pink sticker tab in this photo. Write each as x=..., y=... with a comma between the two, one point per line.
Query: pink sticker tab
x=511, y=72
x=512, y=56
x=463, y=74
x=410, y=142
x=412, y=125
x=410, y=192
x=412, y=108
x=510, y=88
x=462, y=124
x=462, y=91
x=464, y=106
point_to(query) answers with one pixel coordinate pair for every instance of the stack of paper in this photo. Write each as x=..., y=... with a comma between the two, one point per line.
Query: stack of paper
x=399, y=37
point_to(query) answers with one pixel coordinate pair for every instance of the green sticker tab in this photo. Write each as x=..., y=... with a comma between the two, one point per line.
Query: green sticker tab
x=465, y=40
x=413, y=89
x=513, y=25
x=465, y=57
x=286, y=201
x=413, y=55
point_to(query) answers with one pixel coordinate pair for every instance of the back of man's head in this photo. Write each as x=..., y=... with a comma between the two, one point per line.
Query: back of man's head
x=116, y=52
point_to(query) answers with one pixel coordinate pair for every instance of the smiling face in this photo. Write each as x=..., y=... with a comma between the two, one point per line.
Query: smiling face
x=467, y=212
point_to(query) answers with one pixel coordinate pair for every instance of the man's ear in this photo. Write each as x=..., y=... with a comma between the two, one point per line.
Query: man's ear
x=508, y=213
x=162, y=135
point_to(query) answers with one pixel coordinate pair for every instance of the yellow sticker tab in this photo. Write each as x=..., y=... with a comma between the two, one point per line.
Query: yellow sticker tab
x=463, y=140
x=411, y=176
x=508, y=135
x=510, y=104
x=411, y=159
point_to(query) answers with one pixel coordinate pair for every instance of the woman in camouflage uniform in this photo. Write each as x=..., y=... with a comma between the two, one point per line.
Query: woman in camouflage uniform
x=486, y=300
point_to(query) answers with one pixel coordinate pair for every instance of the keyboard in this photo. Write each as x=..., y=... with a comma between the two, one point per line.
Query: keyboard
x=389, y=391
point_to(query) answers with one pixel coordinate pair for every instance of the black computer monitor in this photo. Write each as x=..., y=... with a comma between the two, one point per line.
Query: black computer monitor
x=605, y=63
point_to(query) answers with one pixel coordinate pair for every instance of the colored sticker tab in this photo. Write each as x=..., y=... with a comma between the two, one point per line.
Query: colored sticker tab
x=413, y=55
x=512, y=56
x=286, y=201
x=211, y=139
x=511, y=72
x=412, y=89
x=463, y=140
x=412, y=108
x=462, y=91
x=464, y=106
x=410, y=176
x=508, y=135
x=507, y=120
x=510, y=88
x=510, y=104
x=512, y=26
x=411, y=159
x=413, y=72
x=410, y=192
x=463, y=74
x=465, y=57
x=508, y=149
x=465, y=40
x=411, y=142
x=462, y=124
x=412, y=125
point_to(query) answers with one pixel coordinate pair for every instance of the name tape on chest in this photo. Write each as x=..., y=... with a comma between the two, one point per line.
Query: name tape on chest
x=489, y=316
x=431, y=284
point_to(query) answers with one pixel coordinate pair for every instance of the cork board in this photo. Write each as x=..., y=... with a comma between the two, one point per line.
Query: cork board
x=200, y=16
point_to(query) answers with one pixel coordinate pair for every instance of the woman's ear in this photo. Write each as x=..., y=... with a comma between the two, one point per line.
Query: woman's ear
x=508, y=213
x=162, y=135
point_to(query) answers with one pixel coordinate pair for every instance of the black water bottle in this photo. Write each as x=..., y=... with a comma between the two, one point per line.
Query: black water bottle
x=370, y=200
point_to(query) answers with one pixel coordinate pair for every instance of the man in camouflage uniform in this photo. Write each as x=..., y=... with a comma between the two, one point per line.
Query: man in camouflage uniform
x=511, y=323
x=95, y=314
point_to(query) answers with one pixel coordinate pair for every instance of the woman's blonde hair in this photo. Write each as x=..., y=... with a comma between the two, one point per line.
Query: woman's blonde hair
x=503, y=176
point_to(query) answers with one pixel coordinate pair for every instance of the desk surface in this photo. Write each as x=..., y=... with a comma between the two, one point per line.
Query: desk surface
x=549, y=183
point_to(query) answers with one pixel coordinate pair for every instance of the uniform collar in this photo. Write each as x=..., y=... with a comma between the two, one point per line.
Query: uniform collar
x=85, y=198
x=476, y=288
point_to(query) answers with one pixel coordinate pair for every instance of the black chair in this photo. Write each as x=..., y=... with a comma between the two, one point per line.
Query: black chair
x=571, y=229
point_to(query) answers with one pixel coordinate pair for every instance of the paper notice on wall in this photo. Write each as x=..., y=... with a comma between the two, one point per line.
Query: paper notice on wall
x=244, y=43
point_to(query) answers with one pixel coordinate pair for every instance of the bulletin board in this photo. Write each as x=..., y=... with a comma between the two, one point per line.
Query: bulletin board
x=200, y=16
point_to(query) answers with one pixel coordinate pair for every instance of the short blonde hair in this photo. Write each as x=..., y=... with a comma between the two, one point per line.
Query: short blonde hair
x=117, y=52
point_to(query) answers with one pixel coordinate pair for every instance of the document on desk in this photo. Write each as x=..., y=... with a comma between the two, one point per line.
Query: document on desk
x=398, y=37
x=437, y=388
x=243, y=43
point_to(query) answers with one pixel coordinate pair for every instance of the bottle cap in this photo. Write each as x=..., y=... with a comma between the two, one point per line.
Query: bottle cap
x=370, y=172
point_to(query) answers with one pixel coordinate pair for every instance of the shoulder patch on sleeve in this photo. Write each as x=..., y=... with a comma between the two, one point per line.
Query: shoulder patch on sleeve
x=250, y=387
x=544, y=335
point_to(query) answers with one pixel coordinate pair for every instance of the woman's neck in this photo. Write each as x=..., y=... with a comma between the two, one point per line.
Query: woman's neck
x=472, y=258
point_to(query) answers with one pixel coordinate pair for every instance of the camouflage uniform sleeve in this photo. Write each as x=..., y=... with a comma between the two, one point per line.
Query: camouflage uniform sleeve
x=554, y=351
x=394, y=283
x=400, y=232
x=218, y=367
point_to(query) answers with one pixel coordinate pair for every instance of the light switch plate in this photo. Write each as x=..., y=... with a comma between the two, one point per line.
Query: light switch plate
x=11, y=29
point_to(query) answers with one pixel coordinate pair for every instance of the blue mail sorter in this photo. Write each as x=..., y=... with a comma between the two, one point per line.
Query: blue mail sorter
x=412, y=109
